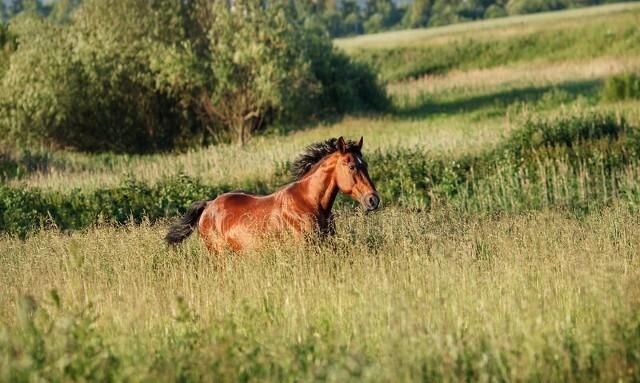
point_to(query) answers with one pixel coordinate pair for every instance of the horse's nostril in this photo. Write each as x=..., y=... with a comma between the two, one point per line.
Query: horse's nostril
x=373, y=201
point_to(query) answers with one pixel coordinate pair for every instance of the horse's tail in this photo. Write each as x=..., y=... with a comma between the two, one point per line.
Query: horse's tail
x=183, y=228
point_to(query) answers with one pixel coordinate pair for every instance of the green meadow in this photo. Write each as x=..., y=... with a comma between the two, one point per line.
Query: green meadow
x=506, y=248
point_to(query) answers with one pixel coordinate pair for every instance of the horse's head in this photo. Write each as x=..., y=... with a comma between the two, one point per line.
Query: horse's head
x=352, y=176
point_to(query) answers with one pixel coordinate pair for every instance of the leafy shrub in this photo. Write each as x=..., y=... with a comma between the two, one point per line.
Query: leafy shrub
x=566, y=130
x=410, y=178
x=26, y=210
x=95, y=95
x=621, y=87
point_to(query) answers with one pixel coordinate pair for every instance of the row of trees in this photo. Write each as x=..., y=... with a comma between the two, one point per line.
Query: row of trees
x=349, y=17
x=144, y=75
x=425, y=13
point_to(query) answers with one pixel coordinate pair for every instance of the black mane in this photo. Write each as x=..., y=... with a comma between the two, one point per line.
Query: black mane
x=316, y=152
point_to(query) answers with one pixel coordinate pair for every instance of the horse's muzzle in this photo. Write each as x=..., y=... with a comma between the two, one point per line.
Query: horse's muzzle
x=371, y=201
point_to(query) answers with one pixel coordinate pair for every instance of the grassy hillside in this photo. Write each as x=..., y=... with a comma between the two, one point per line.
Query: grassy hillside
x=569, y=35
x=506, y=249
x=497, y=26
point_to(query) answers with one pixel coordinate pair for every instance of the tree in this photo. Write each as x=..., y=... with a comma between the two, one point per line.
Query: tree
x=62, y=9
x=494, y=10
x=351, y=18
x=88, y=85
x=380, y=15
x=38, y=90
x=517, y=7
x=4, y=14
x=258, y=63
x=417, y=14
x=115, y=42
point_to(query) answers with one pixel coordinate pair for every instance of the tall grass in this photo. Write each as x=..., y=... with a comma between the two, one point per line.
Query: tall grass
x=621, y=87
x=396, y=296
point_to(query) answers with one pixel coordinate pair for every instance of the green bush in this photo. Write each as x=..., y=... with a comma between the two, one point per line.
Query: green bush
x=594, y=142
x=621, y=87
x=493, y=11
x=565, y=130
x=97, y=95
x=18, y=165
x=25, y=210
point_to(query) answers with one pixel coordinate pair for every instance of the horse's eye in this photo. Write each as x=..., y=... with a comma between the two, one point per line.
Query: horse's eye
x=352, y=167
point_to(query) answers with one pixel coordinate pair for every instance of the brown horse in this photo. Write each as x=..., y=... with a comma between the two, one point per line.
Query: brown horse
x=238, y=220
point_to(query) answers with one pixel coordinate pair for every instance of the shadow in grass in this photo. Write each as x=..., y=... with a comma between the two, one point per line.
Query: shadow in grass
x=15, y=167
x=499, y=100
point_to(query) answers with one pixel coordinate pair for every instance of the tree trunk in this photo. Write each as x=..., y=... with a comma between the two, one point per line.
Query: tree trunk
x=242, y=133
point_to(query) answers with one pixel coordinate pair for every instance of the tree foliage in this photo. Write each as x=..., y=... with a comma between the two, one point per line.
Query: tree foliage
x=259, y=65
x=146, y=75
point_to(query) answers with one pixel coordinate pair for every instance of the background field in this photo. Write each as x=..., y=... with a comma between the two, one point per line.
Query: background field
x=507, y=247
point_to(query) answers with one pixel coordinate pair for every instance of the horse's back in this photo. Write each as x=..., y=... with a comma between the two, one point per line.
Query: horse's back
x=241, y=200
x=234, y=207
x=235, y=217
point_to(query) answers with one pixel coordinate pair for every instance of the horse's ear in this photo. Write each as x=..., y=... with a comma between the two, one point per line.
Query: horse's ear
x=342, y=147
x=360, y=143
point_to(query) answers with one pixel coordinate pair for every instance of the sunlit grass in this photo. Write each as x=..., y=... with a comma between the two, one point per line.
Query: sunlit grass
x=399, y=295
x=263, y=155
x=536, y=75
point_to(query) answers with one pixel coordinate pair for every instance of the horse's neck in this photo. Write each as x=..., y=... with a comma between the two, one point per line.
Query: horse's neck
x=319, y=189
